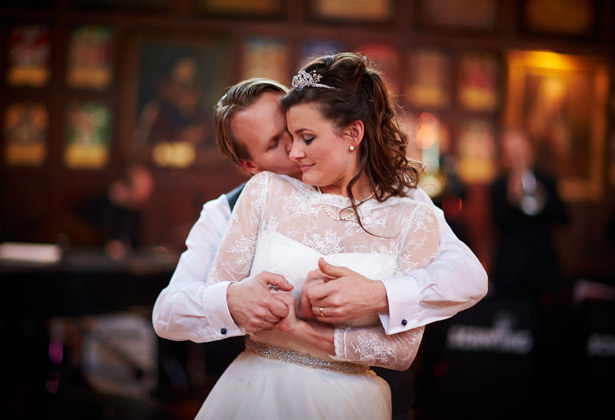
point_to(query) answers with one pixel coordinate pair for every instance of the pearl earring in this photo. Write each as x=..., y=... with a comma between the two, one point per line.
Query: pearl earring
x=351, y=148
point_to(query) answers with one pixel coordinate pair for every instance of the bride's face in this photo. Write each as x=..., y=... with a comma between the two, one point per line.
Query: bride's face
x=322, y=153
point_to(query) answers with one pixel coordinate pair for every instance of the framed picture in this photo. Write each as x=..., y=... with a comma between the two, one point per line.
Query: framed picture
x=266, y=57
x=562, y=102
x=29, y=55
x=428, y=82
x=176, y=85
x=571, y=18
x=457, y=15
x=89, y=57
x=26, y=125
x=88, y=135
x=478, y=81
x=363, y=10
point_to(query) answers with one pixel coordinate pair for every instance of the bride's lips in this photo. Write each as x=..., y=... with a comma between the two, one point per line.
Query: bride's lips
x=305, y=167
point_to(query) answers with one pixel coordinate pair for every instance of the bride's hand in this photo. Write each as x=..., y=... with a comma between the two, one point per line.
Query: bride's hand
x=290, y=323
x=304, y=307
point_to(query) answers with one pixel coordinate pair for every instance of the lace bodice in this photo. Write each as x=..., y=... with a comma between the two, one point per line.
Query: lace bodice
x=279, y=225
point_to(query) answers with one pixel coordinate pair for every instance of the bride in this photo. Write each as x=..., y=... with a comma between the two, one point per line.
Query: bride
x=351, y=209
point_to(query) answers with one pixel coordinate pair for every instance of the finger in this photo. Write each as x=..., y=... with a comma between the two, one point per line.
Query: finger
x=319, y=291
x=277, y=280
x=330, y=270
x=316, y=274
x=320, y=302
x=278, y=307
x=271, y=318
x=321, y=311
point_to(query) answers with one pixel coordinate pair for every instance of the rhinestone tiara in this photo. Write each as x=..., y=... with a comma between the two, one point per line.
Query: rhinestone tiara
x=305, y=79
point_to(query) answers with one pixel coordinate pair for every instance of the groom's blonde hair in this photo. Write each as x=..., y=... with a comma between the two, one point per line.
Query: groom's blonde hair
x=238, y=98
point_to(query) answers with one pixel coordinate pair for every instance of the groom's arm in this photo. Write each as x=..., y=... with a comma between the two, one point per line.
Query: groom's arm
x=454, y=281
x=188, y=309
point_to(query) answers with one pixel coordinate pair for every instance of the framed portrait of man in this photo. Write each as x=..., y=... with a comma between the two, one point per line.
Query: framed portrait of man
x=560, y=100
x=172, y=86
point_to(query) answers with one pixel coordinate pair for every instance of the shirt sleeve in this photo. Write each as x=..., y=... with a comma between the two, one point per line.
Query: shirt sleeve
x=454, y=281
x=372, y=345
x=188, y=309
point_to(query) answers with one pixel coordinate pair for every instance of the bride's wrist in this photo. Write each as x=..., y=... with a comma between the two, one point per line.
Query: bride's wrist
x=299, y=328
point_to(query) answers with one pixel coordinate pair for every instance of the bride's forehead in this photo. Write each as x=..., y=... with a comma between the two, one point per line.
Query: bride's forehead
x=305, y=115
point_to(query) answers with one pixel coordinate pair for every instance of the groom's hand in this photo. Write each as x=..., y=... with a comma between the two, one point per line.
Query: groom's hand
x=345, y=294
x=252, y=304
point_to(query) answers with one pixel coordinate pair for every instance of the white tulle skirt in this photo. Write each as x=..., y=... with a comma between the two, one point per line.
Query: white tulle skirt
x=254, y=387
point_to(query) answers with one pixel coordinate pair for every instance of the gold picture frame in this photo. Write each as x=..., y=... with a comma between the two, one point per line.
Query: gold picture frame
x=561, y=100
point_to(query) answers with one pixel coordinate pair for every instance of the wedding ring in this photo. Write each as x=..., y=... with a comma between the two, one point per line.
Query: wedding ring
x=273, y=288
x=322, y=311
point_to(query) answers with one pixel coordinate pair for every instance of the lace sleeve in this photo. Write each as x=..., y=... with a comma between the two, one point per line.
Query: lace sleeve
x=420, y=240
x=371, y=345
x=236, y=252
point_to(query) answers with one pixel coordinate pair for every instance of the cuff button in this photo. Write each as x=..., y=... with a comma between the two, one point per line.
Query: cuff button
x=223, y=331
x=404, y=322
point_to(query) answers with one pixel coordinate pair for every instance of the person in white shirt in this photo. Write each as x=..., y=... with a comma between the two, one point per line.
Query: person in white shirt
x=251, y=130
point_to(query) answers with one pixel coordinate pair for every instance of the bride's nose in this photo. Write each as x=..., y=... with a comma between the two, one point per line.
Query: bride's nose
x=296, y=151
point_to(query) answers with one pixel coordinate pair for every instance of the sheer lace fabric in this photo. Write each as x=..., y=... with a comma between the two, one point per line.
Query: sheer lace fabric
x=279, y=225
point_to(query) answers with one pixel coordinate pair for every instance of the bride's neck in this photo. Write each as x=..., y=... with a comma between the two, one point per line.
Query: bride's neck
x=360, y=190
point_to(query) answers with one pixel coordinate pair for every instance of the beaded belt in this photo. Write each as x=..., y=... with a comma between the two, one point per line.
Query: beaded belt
x=303, y=359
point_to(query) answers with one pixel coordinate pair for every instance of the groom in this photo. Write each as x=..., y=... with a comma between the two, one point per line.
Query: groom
x=251, y=130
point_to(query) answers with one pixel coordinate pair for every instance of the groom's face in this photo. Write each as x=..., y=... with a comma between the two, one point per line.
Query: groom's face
x=261, y=129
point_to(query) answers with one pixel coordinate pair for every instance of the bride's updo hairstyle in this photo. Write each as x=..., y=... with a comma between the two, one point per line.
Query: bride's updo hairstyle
x=347, y=90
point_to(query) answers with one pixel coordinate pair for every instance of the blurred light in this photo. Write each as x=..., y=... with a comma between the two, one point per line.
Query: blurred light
x=176, y=154
x=432, y=184
x=427, y=132
x=550, y=60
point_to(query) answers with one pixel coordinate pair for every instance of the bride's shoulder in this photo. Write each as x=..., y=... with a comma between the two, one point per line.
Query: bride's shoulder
x=274, y=182
x=413, y=207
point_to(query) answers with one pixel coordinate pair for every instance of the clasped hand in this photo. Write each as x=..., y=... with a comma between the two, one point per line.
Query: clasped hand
x=335, y=294
x=343, y=294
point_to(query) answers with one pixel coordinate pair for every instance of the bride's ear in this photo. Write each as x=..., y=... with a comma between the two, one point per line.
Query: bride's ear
x=356, y=130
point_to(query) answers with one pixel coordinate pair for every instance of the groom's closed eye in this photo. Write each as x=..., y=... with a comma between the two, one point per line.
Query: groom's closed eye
x=274, y=143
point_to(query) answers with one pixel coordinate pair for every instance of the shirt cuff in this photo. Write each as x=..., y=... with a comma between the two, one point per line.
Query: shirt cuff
x=220, y=320
x=403, y=299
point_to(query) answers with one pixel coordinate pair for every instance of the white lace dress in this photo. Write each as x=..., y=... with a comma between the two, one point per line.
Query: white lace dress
x=279, y=225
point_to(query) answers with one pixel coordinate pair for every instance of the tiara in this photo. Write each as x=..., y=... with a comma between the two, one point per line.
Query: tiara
x=305, y=79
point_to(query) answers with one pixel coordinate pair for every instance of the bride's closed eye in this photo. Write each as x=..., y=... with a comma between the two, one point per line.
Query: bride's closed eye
x=308, y=140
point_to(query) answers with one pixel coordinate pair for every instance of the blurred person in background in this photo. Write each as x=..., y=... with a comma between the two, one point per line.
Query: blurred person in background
x=526, y=207
x=116, y=213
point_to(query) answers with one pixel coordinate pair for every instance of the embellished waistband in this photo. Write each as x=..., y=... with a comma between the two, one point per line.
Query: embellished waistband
x=303, y=359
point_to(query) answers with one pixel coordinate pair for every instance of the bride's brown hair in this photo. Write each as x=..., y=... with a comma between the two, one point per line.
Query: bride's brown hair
x=358, y=92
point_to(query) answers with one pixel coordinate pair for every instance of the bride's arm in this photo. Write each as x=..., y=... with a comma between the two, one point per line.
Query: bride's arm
x=364, y=345
x=371, y=345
